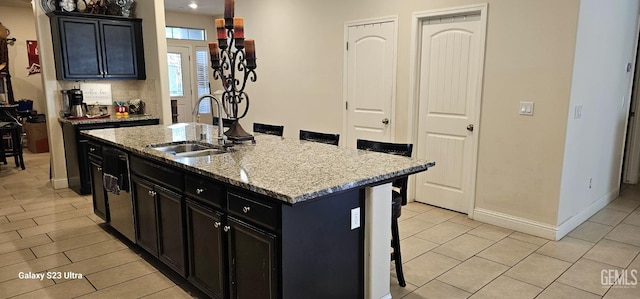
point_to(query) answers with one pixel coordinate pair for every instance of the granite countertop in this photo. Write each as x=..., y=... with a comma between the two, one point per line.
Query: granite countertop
x=112, y=118
x=290, y=170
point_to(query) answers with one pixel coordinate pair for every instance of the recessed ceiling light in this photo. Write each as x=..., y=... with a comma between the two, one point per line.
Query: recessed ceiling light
x=193, y=5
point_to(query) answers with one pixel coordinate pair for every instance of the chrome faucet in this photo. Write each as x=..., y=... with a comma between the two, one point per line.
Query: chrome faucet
x=196, y=113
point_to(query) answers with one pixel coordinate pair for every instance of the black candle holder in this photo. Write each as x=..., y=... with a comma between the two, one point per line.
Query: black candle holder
x=233, y=69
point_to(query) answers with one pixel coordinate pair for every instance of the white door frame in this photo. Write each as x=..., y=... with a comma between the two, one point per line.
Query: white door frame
x=191, y=74
x=630, y=165
x=345, y=69
x=414, y=83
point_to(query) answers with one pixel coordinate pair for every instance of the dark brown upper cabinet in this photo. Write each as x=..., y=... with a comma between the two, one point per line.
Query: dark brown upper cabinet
x=95, y=47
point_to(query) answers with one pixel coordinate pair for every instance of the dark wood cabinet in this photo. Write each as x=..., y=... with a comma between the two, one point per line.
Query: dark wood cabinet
x=145, y=215
x=171, y=237
x=253, y=267
x=159, y=223
x=93, y=47
x=205, y=244
x=233, y=243
x=76, y=149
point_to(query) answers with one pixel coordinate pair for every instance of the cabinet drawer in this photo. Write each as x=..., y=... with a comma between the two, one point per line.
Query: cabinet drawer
x=94, y=150
x=165, y=176
x=204, y=189
x=252, y=209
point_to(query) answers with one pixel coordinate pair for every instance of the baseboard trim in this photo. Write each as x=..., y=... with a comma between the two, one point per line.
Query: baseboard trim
x=524, y=225
x=577, y=219
x=59, y=183
x=540, y=229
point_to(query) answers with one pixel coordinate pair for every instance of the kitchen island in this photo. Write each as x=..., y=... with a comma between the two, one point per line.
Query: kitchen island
x=281, y=218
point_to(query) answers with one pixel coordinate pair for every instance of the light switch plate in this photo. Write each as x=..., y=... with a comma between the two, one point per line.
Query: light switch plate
x=578, y=112
x=355, y=218
x=526, y=108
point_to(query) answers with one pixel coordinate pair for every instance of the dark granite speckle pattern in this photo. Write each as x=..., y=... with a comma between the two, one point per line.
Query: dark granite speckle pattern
x=286, y=169
x=110, y=119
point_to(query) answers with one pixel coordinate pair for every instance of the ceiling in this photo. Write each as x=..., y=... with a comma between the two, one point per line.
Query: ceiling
x=205, y=7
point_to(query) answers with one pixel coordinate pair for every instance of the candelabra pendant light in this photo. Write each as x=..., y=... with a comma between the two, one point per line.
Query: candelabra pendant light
x=233, y=60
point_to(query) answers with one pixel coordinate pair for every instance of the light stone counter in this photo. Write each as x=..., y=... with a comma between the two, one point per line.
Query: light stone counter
x=286, y=169
x=110, y=119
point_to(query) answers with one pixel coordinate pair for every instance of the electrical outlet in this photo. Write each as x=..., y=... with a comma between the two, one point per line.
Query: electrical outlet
x=578, y=112
x=526, y=108
x=355, y=218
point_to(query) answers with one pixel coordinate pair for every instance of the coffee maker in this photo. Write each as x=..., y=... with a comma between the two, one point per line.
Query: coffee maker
x=72, y=103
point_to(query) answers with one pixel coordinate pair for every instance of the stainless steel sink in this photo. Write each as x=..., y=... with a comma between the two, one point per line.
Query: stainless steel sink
x=190, y=149
x=180, y=148
x=202, y=153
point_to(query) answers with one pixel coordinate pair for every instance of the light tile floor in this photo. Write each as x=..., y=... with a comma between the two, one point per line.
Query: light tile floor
x=446, y=255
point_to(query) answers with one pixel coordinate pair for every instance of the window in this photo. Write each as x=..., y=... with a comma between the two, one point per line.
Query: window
x=202, y=77
x=175, y=74
x=185, y=33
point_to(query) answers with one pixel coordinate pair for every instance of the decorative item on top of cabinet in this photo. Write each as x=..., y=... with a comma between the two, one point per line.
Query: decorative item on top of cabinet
x=68, y=5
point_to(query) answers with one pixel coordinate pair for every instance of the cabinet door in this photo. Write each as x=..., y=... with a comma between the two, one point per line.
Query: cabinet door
x=170, y=229
x=97, y=188
x=119, y=49
x=252, y=261
x=204, y=238
x=80, y=49
x=145, y=212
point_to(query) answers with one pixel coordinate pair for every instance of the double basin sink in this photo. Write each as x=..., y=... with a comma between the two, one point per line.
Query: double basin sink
x=191, y=149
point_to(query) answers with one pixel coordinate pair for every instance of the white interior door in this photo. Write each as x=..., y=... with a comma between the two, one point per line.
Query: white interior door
x=180, y=89
x=449, y=70
x=370, y=83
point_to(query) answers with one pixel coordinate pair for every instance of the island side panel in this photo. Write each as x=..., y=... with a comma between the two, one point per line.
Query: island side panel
x=322, y=257
x=377, y=235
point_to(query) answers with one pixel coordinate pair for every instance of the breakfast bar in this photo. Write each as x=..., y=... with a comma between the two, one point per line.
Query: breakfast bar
x=281, y=218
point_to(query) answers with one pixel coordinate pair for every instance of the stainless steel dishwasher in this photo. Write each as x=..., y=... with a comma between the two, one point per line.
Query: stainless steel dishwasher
x=117, y=183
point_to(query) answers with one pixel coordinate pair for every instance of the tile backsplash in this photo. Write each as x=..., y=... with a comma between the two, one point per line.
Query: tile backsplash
x=124, y=90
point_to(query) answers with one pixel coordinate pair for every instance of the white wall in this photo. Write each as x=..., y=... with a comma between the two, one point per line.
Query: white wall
x=20, y=22
x=593, y=147
x=529, y=57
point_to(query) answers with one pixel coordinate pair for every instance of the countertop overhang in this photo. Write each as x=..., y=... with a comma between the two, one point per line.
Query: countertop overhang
x=287, y=169
x=110, y=119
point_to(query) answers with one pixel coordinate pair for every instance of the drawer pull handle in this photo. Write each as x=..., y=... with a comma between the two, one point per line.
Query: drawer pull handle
x=226, y=228
x=152, y=193
x=199, y=190
x=216, y=224
x=93, y=149
x=99, y=168
x=246, y=209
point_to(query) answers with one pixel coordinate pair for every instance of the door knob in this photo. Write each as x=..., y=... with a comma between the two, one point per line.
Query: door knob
x=470, y=128
x=385, y=121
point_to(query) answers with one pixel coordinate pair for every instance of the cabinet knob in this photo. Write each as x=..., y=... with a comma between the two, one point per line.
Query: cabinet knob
x=93, y=149
x=226, y=228
x=199, y=190
x=216, y=224
x=99, y=168
x=152, y=193
x=246, y=209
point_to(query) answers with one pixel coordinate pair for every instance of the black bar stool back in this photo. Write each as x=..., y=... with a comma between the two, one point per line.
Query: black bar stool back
x=268, y=129
x=332, y=139
x=399, y=198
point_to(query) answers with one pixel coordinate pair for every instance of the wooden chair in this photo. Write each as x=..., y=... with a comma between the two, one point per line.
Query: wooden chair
x=15, y=148
x=332, y=139
x=268, y=129
x=399, y=198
